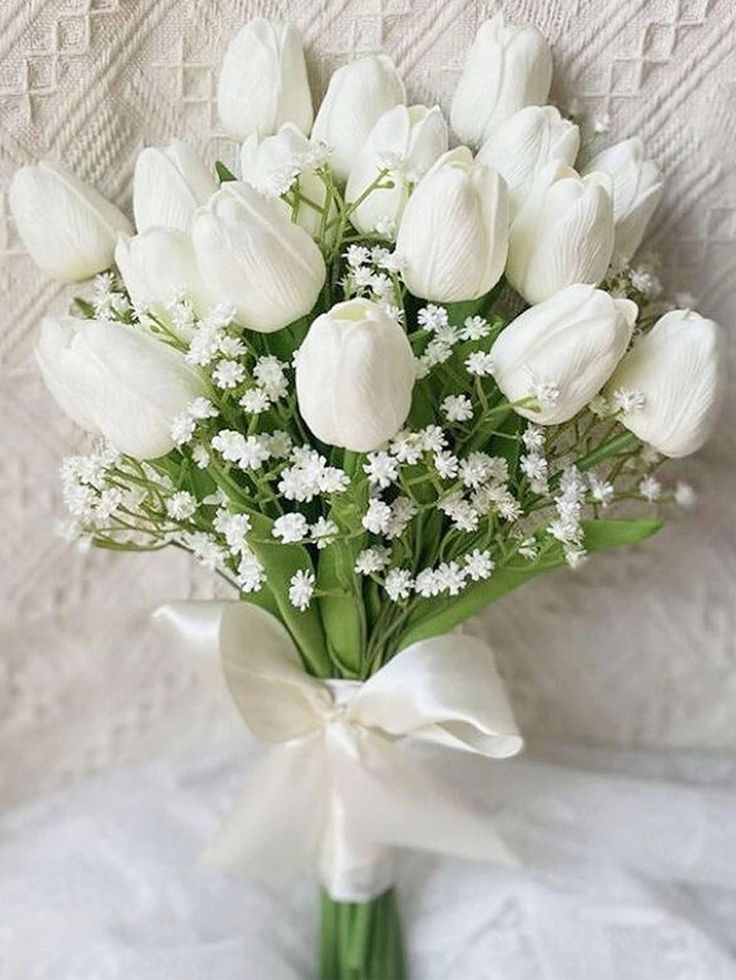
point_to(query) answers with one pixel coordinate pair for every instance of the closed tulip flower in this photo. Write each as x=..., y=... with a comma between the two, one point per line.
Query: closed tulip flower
x=278, y=163
x=355, y=373
x=358, y=95
x=562, y=235
x=637, y=189
x=117, y=380
x=69, y=228
x=453, y=236
x=562, y=351
x=676, y=372
x=509, y=66
x=169, y=184
x=158, y=267
x=253, y=258
x=524, y=143
x=412, y=138
x=263, y=83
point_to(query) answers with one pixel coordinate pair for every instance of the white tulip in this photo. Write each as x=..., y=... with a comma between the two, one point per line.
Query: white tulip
x=453, y=236
x=276, y=164
x=358, y=95
x=409, y=141
x=562, y=351
x=159, y=267
x=169, y=184
x=563, y=234
x=69, y=228
x=117, y=380
x=355, y=373
x=524, y=143
x=637, y=189
x=253, y=258
x=509, y=66
x=263, y=83
x=677, y=371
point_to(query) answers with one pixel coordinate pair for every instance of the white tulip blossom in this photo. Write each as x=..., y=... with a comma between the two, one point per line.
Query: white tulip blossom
x=263, y=83
x=358, y=95
x=677, y=371
x=68, y=227
x=408, y=141
x=159, y=268
x=509, y=66
x=355, y=374
x=562, y=351
x=117, y=380
x=169, y=184
x=253, y=258
x=453, y=236
x=563, y=233
x=278, y=163
x=637, y=188
x=525, y=143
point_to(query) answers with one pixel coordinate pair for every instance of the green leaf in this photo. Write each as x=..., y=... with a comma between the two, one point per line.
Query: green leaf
x=433, y=617
x=224, y=174
x=85, y=308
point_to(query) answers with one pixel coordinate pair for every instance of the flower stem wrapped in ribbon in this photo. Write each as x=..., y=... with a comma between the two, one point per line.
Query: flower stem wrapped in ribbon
x=368, y=444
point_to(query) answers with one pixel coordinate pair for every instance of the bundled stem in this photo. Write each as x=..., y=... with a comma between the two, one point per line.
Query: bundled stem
x=361, y=941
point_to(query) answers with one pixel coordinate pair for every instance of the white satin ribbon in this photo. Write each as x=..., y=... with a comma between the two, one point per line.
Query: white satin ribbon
x=341, y=787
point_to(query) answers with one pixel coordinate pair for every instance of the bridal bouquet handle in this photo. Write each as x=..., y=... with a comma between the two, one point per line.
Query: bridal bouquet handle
x=341, y=786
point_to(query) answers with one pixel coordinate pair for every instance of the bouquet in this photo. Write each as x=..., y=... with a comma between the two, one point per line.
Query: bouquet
x=374, y=383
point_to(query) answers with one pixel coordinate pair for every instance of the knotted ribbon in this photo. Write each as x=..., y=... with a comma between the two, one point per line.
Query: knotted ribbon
x=341, y=788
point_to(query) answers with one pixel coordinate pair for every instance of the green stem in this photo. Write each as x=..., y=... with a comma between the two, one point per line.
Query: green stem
x=361, y=941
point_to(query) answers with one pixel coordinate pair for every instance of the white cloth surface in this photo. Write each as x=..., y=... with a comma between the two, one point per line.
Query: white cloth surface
x=624, y=876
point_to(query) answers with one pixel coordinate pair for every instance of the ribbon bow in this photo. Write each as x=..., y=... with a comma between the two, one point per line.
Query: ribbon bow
x=341, y=786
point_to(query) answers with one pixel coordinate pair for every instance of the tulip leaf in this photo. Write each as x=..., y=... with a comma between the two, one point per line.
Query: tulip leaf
x=224, y=174
x=432, y=617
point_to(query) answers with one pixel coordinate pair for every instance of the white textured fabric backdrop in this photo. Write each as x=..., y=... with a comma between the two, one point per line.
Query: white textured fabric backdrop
x=637, y=650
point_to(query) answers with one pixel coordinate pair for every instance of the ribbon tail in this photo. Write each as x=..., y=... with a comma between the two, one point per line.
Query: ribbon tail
x=397, y=802
x=275, y=828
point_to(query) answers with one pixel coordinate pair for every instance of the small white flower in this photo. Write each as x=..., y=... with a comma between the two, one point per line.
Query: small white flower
x=357, y=255
x=685, y=496
x=234, y=528
x=426, y=583
x=645, y=282
x=269, y=372
x=431, y=317
x=333, y=480
x=650, y=488
x=528, y=548
x=205, y=549
x=181, y=505
x=398, y=584
x=457, y=408
x=479, y=363
x=290, y=528
x=533, y=437
x=407, y=447
x=228, y=374
x=301, y=589
x=546, y=392
x=232, y=347
x=381, y=468
x=628, y=400
x=575, y=556
x=202, y=408
x=403, y=509
x=278, y=443
x=446, y=465
x=323, y=532
x=376, y=518
x=251, y=575
x=255, y=401
x=475, y=328
x=249, y=453
x=182, y=429
x=600, y=490
x=433, y=439
x=478, y=565
x=450, y=577
x=201, y=457
x=475, y=470
x=536, y=468
x=372, y=560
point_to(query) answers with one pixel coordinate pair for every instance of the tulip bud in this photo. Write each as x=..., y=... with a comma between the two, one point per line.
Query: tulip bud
x=355, y=373
x=158, y=268
x=251, y=257
x=524, y=143
x=406, y=140
x=358, y=95
x=263, y=83
x=69, y=228
x=563, y=234
x=562, y=351
x=117, y=380
x=636, y=193
x=286, y=160
x=508, y=67
x=169, y=184
x=678, y=369
x=453, y=236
